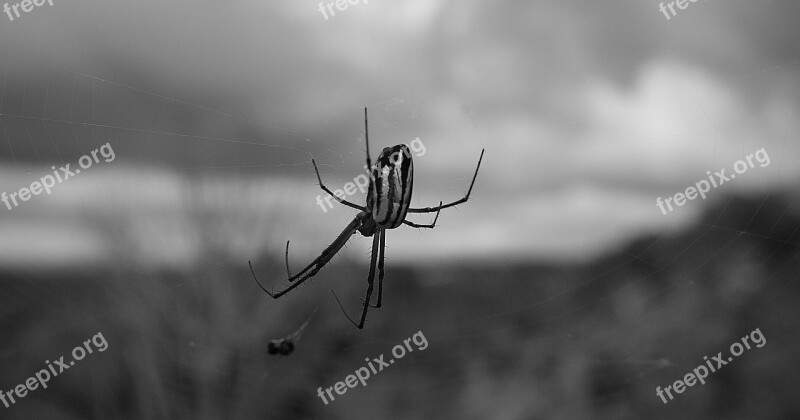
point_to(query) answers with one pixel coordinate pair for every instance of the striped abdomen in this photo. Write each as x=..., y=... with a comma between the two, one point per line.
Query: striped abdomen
x=390, y=187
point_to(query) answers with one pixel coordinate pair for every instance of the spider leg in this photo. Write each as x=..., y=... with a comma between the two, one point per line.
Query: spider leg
x=339, y=199
x=380, y=268
x=340, y=307
x=454, y=203
x=414, y=225
x=289, y=272
x=369, y=165
x=366, y=136
x=316, y=265
x=370, y=281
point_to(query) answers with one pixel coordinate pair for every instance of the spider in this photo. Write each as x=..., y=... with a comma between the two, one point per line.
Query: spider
x=388, y=202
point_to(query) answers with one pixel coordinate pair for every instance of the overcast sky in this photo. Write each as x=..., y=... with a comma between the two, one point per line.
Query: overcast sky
x=588, y=112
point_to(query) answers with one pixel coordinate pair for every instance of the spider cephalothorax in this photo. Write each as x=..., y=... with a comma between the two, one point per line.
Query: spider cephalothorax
x=388, y=203
x=367, y=227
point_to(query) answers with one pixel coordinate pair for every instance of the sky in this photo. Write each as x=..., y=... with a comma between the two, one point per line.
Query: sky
x=588, y=112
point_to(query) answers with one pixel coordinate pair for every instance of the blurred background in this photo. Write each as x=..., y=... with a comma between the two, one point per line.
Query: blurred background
x=559, y=291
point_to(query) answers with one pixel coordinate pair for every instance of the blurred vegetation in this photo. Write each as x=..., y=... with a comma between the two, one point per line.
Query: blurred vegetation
x=538, y=340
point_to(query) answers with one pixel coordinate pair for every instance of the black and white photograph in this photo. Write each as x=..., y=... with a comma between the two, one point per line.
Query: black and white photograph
x=409, y=209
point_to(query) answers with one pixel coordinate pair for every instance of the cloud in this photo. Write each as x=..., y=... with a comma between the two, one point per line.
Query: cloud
x=588, y=111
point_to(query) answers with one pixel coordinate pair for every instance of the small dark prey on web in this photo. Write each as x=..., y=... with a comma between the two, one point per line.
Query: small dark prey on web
x=285, y=346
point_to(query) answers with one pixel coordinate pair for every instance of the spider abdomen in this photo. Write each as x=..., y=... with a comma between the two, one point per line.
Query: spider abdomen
x=391, y=186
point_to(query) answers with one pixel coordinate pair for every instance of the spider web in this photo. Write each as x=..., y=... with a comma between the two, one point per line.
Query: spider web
x=86, y=135
x=283, y=319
